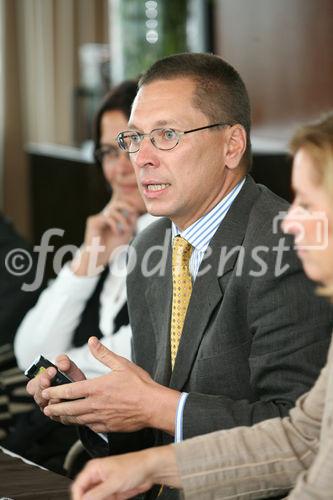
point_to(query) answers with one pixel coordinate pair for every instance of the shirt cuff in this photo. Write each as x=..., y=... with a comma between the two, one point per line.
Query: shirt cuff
x=179, y=417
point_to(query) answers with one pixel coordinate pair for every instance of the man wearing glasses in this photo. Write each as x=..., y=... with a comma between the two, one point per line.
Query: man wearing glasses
x=223, y=334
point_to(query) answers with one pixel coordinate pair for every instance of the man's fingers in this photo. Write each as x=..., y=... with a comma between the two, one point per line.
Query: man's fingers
x=38, y=384
x=63, y=362
x=69, y=409
x=41, y=381
x=75, y=390
x=114, y=361
x=66, y=365
x=104, y=355
x=74, y=416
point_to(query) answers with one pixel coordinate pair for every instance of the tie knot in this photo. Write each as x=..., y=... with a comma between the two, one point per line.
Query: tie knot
x=181, y=251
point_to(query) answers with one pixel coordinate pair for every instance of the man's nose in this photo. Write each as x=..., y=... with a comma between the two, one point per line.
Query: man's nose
x=147, y=154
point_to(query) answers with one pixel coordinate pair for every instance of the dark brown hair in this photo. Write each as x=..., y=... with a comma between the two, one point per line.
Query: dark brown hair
x=220, y=92
x=120, y=98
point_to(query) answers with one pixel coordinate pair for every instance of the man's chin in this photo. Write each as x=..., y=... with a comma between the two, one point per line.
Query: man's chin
x=154, y=209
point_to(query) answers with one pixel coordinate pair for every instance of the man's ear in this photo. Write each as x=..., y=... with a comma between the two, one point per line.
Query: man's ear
x=236, y=145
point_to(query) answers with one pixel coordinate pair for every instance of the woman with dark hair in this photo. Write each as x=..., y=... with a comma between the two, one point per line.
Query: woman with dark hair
x=89, y=295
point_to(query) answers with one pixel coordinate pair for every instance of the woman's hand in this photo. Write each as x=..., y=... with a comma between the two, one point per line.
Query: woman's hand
x=105, y=232
x=125, y=476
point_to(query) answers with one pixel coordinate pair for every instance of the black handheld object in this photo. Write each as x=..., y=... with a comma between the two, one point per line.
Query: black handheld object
x=39, y=365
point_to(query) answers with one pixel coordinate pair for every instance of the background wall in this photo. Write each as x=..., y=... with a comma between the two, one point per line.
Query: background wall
x=41, y=70
x=284, y=52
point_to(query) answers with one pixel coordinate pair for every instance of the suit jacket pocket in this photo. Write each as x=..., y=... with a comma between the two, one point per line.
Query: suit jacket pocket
x=225, y=373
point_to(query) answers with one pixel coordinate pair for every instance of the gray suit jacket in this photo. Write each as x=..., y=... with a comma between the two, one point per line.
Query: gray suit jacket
x=251, y=343
x=269, y=458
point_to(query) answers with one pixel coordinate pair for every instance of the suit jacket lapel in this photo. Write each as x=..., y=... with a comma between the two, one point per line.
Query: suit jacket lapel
x=159, y=297
x=207, y=291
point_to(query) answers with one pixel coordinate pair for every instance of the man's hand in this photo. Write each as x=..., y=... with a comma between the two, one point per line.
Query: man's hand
x=124, y=400
x=105, y=232
x=127, y=475
x=44, y=380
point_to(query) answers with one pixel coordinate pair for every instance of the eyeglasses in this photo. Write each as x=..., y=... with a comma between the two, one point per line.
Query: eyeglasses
x=162, y=138
x=108, y=151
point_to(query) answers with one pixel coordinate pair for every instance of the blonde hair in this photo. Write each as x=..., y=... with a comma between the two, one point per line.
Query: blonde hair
x=317, y=140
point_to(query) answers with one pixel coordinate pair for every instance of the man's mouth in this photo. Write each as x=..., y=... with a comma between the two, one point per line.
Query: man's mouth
x=156, y=187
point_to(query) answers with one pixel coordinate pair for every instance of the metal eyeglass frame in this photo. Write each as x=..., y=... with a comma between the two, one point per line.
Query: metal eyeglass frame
x=178, y=133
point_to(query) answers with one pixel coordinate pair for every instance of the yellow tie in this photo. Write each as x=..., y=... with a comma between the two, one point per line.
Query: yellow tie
x=181, y=290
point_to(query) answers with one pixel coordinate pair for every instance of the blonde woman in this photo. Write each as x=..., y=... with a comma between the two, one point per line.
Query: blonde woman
x=278, y=455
